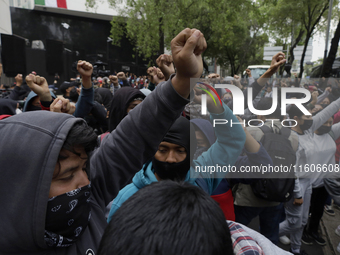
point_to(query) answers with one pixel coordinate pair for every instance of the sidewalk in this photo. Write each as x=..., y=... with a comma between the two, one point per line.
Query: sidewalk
x=328, y=226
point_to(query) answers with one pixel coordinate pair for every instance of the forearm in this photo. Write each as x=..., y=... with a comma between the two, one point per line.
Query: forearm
x=264, y=78
x=85, y=102
x=87, y=83
x=181, y=86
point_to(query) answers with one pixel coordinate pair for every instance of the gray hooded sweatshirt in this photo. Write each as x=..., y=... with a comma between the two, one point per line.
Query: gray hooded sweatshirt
x=30, y=145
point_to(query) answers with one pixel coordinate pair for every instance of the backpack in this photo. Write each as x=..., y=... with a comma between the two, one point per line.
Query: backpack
x=281, y=151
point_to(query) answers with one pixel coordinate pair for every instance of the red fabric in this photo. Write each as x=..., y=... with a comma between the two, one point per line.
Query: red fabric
x=226, y=203
x=103, y=135
x=62, y=4
x=44, y=108
x=4, y=116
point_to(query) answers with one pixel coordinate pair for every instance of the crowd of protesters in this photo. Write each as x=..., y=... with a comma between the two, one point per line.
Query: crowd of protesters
x=107, y=165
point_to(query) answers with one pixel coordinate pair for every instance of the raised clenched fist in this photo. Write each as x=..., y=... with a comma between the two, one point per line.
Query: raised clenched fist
x=187, y=48
x=84, y=68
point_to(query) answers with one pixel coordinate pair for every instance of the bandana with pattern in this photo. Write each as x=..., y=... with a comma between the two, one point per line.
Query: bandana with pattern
x=67, y=217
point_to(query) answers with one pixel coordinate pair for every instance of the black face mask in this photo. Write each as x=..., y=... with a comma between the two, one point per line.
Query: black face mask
x=34, y=108
x=67, y=217
x=171, y=171
x=74, y=94
x=181, y=133
x=324, y=105
x=306, y=125
x=324, y=130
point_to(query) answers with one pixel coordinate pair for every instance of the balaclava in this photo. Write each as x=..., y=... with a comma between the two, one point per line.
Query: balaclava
x=180, y=133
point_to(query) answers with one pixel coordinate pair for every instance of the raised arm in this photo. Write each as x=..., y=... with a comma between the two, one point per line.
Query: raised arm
x=323, y=95
x=86, y=98
x=164, y=63
x=321, y=117
x=135, y=140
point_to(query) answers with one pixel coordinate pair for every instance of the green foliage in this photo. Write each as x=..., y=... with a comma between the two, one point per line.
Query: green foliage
x=233, y=29
x=236, y=31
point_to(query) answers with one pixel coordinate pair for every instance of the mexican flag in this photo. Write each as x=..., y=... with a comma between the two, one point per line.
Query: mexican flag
x=52, y=3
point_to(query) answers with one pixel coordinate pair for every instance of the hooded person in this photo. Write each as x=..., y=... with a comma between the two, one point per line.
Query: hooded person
x=122, y=102
x=174, y=158
x=205, y=135
x=52, y=217
x=106, y=96
x=257, y=156
x=8, y=108
x=32, y=102
x=66, y=87
x=45, y=181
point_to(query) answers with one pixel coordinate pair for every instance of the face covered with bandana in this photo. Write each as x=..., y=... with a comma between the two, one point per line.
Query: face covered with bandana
x=173, y=158
x=68, y=207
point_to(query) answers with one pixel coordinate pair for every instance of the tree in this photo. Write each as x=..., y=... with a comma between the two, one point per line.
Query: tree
x=151, y=24
x=296, y=19
x=316, y=9
x=245, y=41
x=284, y=23
x=327, y=68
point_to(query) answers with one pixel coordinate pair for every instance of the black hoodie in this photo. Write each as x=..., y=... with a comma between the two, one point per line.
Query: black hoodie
x=106, y=96
x=30, y=145
x=8, y=106
x=119, y=104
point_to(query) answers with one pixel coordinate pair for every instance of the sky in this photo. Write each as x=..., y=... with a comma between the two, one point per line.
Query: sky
x=319, y=42
x=103, y=7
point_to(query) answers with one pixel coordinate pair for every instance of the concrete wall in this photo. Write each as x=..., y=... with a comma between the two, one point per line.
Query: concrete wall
x=5, y=28
x=5, y=17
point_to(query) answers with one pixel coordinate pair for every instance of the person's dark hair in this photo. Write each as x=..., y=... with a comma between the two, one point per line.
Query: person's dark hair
x=295, y=111
x=179, y=219
x=83, y=135
x=74, y=95
x=98, y=97
x=266, y=103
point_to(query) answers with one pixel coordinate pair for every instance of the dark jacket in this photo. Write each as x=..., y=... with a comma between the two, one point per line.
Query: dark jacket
x=30, y=145
x=119, y=104
x=19, y=93
x=223, y=152
x=106, y=96
x=8, y=106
